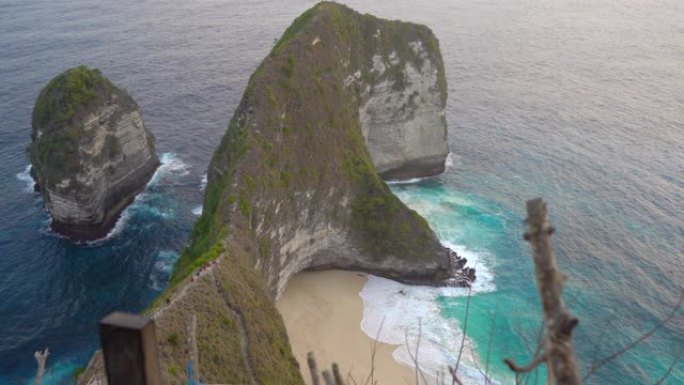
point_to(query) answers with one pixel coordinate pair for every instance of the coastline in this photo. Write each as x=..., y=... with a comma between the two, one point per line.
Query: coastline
x=322, y=312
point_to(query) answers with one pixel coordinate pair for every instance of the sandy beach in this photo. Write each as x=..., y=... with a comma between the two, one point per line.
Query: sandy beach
x=322, y=312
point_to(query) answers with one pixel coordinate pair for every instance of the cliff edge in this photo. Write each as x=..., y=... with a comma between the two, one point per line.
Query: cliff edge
x=401, y=89
x=294, y=185
x=293, y=182
x=90, y=152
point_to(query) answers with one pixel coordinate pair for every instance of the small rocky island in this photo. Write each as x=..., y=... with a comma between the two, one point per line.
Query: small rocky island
x=90, y=152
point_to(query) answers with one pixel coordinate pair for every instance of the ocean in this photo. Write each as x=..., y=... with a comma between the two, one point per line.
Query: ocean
x=577, y=101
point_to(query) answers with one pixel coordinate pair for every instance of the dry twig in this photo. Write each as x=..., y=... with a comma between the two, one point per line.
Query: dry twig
x=559, y=323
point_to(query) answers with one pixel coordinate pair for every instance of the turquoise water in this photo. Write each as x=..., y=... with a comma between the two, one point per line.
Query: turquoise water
x=577, y=101
x=505, y=322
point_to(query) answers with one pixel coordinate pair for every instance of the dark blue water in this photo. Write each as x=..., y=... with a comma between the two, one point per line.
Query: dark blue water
x=579, y=101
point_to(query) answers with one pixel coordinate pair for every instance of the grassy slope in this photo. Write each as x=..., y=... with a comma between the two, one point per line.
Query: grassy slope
x=296, y=131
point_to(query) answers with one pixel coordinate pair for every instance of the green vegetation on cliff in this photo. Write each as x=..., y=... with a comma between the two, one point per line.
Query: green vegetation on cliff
x=293, y=165
x=297, y=126
x=56, y=132
x=66, y=93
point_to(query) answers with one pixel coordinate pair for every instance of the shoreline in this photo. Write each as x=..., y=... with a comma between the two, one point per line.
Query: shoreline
x=322, y=312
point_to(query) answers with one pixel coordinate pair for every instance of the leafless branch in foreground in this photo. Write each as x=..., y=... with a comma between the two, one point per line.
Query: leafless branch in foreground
x=489, y=346
x=414, y=356
x=598, y=364
x=525, y=369
x=559, y=323
x=669, y=370
x=465, y=328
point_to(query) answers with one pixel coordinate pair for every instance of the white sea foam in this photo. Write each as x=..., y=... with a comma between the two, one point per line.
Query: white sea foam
x=25, y=177
x=171, y=165
x=118, y=226
x=449, y=161
x=197, y=210
x=387, y=304
x=482, y=262
x=406, y=181
x=203, y=183
x=163, y=268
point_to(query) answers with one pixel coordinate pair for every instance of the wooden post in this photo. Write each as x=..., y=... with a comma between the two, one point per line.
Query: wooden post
x=192, y=342
x=129, y=347
x=328, y=378
x=337, y=374
x=313, y=368
x=558, y=322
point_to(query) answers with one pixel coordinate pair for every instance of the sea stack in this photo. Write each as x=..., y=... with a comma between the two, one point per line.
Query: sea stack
x=90, y=152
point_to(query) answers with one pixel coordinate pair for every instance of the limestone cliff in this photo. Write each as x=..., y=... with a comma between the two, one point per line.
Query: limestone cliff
x=402, y=92
x=293, y=183
x=292, y=186
x=90, y=152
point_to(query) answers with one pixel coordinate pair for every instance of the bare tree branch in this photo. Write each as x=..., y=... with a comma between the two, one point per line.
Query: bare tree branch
x=454, y=376
x=489, y=345
x=465, y=328
x=598, y=364
x=414, y=357
x=374, y=349
x=558, y=321
x=524, y=369
x=669, y=370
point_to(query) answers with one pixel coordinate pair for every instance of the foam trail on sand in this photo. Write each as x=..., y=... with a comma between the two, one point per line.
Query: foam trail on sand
x=386, y=305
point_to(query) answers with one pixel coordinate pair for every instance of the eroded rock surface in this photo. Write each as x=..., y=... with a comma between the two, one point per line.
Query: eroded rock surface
x=90, y=152
x=402, y=111
x=294, y=185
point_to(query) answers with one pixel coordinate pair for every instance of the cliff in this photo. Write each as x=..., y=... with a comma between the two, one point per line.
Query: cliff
x=402, y=92
x=90, y=152
x=294, y=185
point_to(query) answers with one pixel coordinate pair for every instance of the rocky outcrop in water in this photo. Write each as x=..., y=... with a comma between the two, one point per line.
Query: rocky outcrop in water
x=90, y=152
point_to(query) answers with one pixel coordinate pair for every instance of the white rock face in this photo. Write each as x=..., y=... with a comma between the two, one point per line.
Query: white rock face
x=403, y=117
